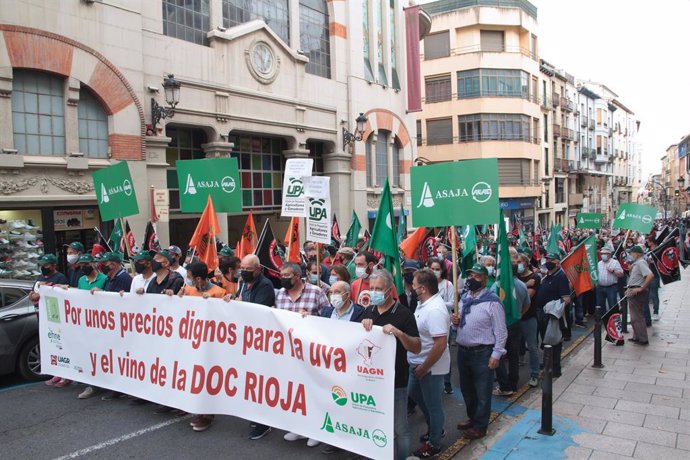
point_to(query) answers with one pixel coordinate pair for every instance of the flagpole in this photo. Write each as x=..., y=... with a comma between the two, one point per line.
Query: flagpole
x=318, y=264
x=454, y=248
x=98, y=230
x=127, y=248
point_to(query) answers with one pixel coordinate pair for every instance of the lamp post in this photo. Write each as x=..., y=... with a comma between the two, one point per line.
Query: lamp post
x=350, y=138
x=651, y=183
x=171, y=89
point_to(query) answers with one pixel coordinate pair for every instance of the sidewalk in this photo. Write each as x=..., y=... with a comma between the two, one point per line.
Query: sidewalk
x=637, y=406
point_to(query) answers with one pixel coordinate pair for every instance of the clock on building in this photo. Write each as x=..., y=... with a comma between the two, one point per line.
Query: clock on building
x=262, y=62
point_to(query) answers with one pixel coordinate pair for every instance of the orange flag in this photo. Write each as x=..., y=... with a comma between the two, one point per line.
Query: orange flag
x=204, y=239
x=292, y=245
x=410, y=245
x=249, y=239
x=576, y=268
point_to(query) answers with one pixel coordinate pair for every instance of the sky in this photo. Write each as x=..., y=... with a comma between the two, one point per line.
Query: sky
x=639, y=49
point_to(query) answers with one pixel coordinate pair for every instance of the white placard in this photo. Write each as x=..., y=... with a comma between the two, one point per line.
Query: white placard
x=294, y=203
x=161, y=197
x=319, y=207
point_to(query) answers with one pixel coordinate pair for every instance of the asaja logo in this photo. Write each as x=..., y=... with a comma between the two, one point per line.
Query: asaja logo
x=331, y=427
x=295, y=188
x=317, y=210
x=646, y=219
x=339, y=395
x=104, y=194
x=189, y=188
x=379, y=438
x=427, y=200
x=127, y=187
x=622, y=216
x=227, y=183
x=481, y=192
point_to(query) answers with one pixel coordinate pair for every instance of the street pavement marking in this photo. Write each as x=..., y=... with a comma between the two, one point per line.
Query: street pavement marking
x=126, y=437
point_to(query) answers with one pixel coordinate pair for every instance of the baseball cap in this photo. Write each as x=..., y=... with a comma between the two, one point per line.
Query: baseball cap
x=226, y=252
x=553, y=256
x=143, y=255
x=166, y=253
x=198, y=269
x=605, y=250
x=175, y=250
x=47, y=259
x=479, y=269
x=346, y=250
x=76, y=245
x=410, y=264
x=112, y=257
x=637, y=248
x=85, y=259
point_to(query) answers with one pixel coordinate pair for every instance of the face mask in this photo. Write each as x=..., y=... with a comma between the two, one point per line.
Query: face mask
x=604, y=258
x=337, y=300
x=287, y=283
x=377, y=297
x=189, y=282
x=439, y=255
x=408, y=277
x=491, y=270
x=313, y=279
x=87, y=270
x=550, y=265
x=332, y=280
x=105, y=269
x=72, y=258
x=473, y=284
x=46, y=271
x=361, y=272
x=438, y=274
x=521, y=268
x=139, y=268
x=247, y=276
x=155, y=265
x=543, y=270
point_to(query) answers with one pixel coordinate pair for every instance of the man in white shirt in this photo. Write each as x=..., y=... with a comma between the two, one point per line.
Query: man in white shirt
x=142, y=265
x=428, y=367
x=609, y=272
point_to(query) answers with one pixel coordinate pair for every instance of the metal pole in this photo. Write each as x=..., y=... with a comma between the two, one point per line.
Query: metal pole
x=597, y=338
x=547, y=394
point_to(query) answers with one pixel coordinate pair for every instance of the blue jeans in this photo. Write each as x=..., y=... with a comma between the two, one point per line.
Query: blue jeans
x=400, y=425
x=427, y=392
x=607, y=294
x=476, y=384
x=529, y=331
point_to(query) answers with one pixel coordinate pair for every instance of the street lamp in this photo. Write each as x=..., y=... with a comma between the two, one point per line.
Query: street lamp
x=171, y=88
x=350, y=138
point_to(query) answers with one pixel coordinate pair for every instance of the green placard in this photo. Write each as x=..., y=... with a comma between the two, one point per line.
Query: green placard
x=636, y=217
x=115, y=192
x=588, y=220
x=218, y=177
x=455, y=193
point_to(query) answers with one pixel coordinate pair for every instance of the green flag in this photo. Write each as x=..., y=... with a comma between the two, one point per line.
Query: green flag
x=636, y=217
x=115, y=238
x=384, y=238
x=469, y=252
x=552, y=243
x=522, y=240
x=115, y=192
x=218, y=177
x=402, y=225
x=591, y=248
x=588, y=220
x=352, y=236
x=505, y=286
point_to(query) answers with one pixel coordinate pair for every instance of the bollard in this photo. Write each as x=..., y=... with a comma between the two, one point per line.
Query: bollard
x=597, y=338
x=547, y=394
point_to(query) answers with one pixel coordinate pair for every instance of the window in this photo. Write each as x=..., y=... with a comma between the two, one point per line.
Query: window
x=380, y=154
x=369, y=159
x=492, y=41
x=560, y=190
x=273, y=12
x=439, y=131
x=598, y=145
x=382, y=139
x=395, y=163
x=316, y=151
x=392, y=32
x=368, y=74
x=494, y=127
x=93, y=126
x=314, y=37
x=187, y=20
x=185, y=144
x=536, y=171
x=419, y=132
x=493, y=83
x=261, y=169
x=437, y=45
x=378, y=32
x=38, y=113
x=513, y=171
x=437, y=89
x=10, y=296
x=546, y=128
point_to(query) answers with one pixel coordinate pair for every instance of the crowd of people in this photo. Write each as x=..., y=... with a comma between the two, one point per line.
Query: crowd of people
x=349, y=284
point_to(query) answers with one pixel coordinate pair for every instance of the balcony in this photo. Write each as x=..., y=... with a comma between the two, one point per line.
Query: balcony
x=556, y=130
x=561, y=165
x=546, y=102
x=591, y=125
x=575, y=199
x=583, y=122
x=602, y=159
x=567, y=134
x=556, y=99
x=567, y=104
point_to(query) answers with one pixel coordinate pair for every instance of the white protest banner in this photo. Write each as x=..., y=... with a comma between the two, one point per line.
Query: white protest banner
x=294, y=203
x=318, y=193
x=324, y=379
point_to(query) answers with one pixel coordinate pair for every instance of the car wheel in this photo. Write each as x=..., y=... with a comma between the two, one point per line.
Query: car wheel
x=29, y=362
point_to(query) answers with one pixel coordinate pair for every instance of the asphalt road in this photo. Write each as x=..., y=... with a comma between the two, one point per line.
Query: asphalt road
x=42, y=422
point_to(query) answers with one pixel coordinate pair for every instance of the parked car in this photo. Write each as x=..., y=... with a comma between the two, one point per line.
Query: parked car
x=20, y=349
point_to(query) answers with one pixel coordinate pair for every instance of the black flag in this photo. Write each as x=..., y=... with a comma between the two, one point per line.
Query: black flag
x=151, y=238
x=271, y=254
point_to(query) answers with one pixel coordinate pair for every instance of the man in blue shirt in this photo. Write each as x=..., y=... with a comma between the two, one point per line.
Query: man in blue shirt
x=118, y=279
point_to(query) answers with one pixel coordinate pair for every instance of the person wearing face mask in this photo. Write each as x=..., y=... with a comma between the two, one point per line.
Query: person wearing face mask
x=176, y=254
x=554, y=286
x=90, y=276
x=343, y=308
x=528, y=320
x=442, y=255
x=445, y=287
x=398, y=321
x=198, y=284
x=490, y=263
x=312, y=276
x=229, y=267
x=347, y=258
x=432, y=363
x=74, y=250
x=166, y=280
x=142, y=265
x=339, y=273
x=409, y=300
x=638, y=283
x=481, y=340
x=118, y=280
x=365, y=262
x=609, y=272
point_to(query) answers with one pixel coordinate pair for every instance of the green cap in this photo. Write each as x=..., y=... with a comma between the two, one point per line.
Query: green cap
x=479, y=269
x=226, y=252
x=112, y=257
x=47, y=259
x=143, y=255
x=637, y=248
x=553, y=256
x=167, y=254
x=76, y=245
x=86, y=259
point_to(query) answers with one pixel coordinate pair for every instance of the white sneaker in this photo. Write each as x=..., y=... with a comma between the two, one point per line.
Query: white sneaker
x=87, y=393
x=655, y=317
x=17, y=224
x=533, y=382
x=312, y=442
x=29, y=237
x=290, y=436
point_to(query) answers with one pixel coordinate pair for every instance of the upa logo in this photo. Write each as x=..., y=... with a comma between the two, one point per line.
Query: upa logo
x=295, y=188
x=339, y=395
x=227, y=183
x=317, y=210
x=481, y=192
x=427, y=200
x=646, y=219
x=127, y=187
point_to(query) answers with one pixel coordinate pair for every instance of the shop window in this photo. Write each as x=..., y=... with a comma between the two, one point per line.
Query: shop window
x=187, y=20
x=93, y=126
x=21, y=244
x=38, y=113
x=185, y=144
x=315, y=40
x=273, y=12
x=262, y=166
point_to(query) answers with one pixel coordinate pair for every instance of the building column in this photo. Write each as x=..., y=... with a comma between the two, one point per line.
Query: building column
x=6, y=130
x=336, y=165
x=220, y=149
x=156, y=176
x=72, y=87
